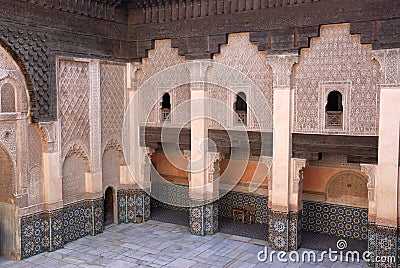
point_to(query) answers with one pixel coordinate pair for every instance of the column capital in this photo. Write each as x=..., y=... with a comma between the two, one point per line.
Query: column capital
x=132, y=69
x=370, y=170
x=297, y=165
x=198, y=70
x=213, y=157
x=186, y=154
x=295, y=194
x=149, y=151
x=49, y=134
x=282, y=69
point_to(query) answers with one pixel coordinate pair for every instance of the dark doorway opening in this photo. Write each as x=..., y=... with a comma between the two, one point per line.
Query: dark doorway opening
x=109, y=206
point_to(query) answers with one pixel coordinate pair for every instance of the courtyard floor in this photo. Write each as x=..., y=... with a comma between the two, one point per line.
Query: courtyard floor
x=159, y=244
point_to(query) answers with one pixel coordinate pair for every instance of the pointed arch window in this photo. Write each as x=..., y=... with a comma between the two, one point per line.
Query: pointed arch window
x=165, y=108
x=334, y=110
x=240, y=107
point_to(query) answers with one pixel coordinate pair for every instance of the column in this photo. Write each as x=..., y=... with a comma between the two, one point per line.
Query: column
x=53, y=181
x=51, y=166
x=204, y=216
x=134, y=199
x=94, y=180
x=280, y=209
x=385, y=228
x=383, y=231
x=203, y=191
x=126, y=175
x=295, y=202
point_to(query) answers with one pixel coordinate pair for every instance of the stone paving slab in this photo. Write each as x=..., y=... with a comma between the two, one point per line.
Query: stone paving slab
x=158, y=244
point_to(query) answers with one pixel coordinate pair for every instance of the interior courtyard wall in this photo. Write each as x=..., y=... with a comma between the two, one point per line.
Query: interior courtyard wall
x=158, y=59
x=34, y=182
x=336, y=61
x=89, y=142
x=113, y=102
x=74, y=94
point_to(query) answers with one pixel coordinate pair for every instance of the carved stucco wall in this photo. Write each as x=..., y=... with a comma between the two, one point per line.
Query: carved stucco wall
x=333, y=160
x=243, y=56
x=6, y=176
x=34, y=182
x=74, y=94
x=160, y=58
x=389, y=60
x=11, y=77
x=32, y=51
x=111, y=168
x=112, y=88
x=73, y=178
x=336, y=61
x=180, y=95
x=14, y=120
x=8, y=137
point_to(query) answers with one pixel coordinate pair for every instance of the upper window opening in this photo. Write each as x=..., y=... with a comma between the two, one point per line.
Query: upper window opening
x=334, y=110
x=334, y=102
x=241, y=107
x=165, y=107
x=241, y=104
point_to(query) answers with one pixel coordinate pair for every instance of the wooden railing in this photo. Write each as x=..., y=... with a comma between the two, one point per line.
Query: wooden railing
x=242, y=117
x=334, y=119
x=165, y=115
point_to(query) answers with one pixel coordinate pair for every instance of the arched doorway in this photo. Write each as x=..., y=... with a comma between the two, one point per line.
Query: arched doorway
x=8, y=208
x=109, y=206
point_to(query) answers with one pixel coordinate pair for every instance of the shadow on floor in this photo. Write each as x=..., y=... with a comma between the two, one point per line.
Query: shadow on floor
x=258, y=231
x=179, y=217
x=324, y=242
x=255, y=230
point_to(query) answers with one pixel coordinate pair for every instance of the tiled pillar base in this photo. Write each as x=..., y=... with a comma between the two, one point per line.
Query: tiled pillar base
x=204, y=219
x=284, y=230
x=132, y=203
x=97, y=216
x=57, y=229
x=383, y=242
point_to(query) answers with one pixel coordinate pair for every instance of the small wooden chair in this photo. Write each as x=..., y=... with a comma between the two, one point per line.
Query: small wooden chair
x=237, y=211
x=251, y=213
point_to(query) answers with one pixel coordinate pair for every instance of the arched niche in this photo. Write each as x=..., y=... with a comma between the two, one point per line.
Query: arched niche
x=74, y=169
x=347, y=188
x=111, y=167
